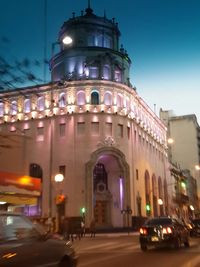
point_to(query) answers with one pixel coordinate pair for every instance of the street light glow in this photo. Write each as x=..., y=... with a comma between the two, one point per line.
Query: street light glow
x=197, y=167
x=59, y=178
x=170, y=141
x=67, y=40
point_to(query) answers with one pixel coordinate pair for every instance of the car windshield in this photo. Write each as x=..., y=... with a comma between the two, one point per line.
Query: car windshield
x=159, y=221
x=16, y=227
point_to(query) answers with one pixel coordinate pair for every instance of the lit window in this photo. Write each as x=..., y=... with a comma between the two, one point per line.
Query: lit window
x=27, y=106
x=61, y=101
x=107, y=42
x=1, y=109
x=93, y=72
x=108, y=99
x=13, y=110
x=106, y=72
x=99, y=40
x=81, y=98
x=119, y=101
x=40, y=103
x=118, y=76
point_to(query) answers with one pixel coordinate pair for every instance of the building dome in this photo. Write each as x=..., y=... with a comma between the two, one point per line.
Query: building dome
x=92, y=50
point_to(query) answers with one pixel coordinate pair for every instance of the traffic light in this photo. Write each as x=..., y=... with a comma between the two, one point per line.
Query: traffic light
x=183, y=184
x=148, y=207
x=60, y=199
x=83, y=209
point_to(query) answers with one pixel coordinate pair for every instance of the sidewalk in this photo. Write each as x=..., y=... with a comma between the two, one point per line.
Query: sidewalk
x=116, y=234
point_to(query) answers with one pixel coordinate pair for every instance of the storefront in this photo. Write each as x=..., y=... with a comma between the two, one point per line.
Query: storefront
x=20, y=193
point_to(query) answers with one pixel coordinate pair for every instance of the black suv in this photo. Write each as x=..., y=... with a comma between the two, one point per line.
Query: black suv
x=163, y=231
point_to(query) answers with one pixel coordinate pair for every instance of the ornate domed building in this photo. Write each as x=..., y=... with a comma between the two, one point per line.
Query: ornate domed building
x=89, y=124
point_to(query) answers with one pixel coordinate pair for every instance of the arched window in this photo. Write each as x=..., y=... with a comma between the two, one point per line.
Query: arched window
x=118, y=74
x=40, y=103
x=95, y=98
x=13, y=110
x=119, y=101
x=108, y=99
x=106, y=72
x=1, y=109
x=90, y=40
x=99, y=40
x=81, y=98
x=61, y=101
x=27, y=106
x=127, y=103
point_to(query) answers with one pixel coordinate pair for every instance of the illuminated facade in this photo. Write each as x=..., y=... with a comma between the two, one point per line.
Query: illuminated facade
x=90, y=125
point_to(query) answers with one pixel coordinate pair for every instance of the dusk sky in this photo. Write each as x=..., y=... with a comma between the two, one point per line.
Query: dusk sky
x=162, y=38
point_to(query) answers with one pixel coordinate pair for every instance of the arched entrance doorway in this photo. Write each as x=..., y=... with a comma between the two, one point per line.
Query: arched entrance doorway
x=107, y=187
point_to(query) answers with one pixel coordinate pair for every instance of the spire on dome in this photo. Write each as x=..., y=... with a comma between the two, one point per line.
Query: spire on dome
x=89, y=10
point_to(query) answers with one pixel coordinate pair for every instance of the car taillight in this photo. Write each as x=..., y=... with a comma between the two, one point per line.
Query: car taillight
x=167, y=230
x=143, y=231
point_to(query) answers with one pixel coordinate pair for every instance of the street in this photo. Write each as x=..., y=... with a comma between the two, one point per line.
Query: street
x=123, y=250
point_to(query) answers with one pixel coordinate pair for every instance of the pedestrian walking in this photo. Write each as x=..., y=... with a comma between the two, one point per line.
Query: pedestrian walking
x=82, y=228
x=92, y=228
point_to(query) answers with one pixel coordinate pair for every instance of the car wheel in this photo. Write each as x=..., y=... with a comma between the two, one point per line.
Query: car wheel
x=143, y=247
x=177, y=243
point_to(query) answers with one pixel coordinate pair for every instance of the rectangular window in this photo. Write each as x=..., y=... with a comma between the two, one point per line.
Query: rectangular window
x=95, y=128
x=62, y=169
x=93, y=72
x=108, y=129
x=137, y=174
x=40, y=134
x=119, y=130
x=128, y=132
x=135, y=136
x=62, y=129
x=80, y=128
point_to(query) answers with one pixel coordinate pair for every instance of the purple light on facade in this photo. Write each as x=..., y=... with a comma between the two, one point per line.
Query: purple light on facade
x=121, y=192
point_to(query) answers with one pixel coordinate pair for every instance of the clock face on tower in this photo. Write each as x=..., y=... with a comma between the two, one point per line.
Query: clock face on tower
x=67, y=40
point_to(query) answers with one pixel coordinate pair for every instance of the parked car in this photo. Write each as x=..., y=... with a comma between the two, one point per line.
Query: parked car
x=195, y=231
x=163, y=231
x=23, y=243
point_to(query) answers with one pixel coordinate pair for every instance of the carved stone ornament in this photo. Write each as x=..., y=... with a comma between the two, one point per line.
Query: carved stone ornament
x=108, y=141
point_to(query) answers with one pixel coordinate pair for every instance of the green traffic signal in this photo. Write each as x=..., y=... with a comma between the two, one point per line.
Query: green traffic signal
x=148, y=207
x=83, y=209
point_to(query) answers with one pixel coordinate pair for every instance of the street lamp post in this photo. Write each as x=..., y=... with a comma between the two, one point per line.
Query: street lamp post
x=59, y=197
